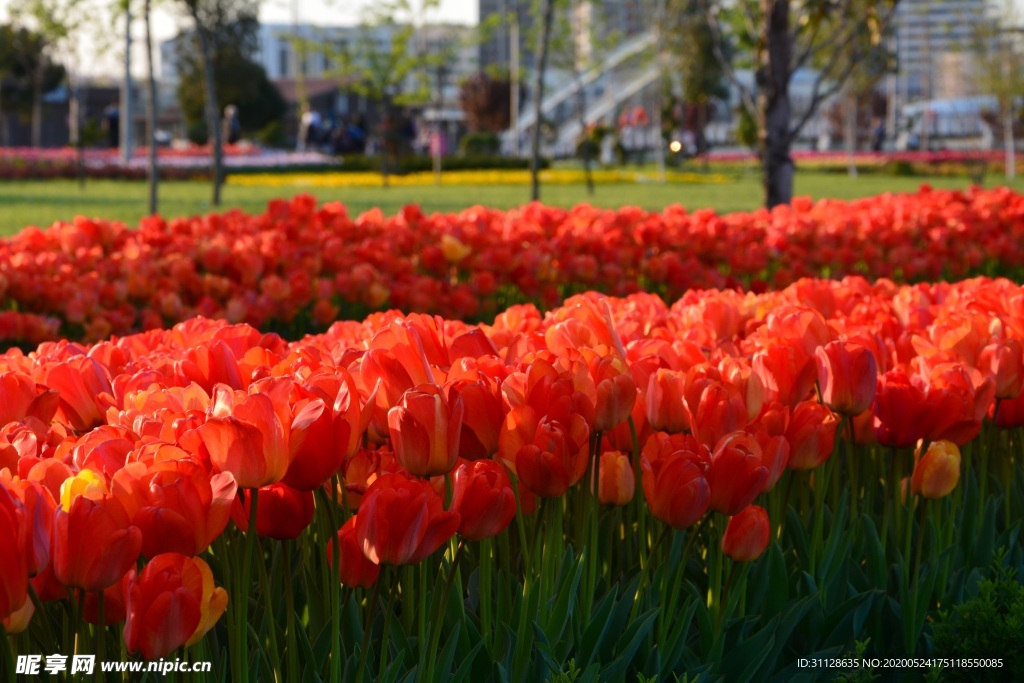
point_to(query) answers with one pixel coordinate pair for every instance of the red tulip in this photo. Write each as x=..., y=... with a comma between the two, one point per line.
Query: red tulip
x=676, y=485
x=747, y=534
x=738, y=473
x=425, y=430
x=548, y=456
x=481, y=424
x=786, y=371
x=14, y=564
x=172, y=603
x=900, y=420
x=354, y=570
x=247, y=435
x=321, y=439
x=847, y=376
x=176, y=504
x=93, y=543
x=811, y=435
x=482, y=495
x=1005, y=362
x=666, y=408
x=281, y=512
x=721, y=411
x=402, y=521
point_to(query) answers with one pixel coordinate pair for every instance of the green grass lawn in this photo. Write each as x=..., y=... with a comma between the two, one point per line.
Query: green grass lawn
x=41, y=203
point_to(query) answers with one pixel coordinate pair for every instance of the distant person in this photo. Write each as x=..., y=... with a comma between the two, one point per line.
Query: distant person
x=112, y=125
x=878, y=136
x=232, y=126
x=309, y=129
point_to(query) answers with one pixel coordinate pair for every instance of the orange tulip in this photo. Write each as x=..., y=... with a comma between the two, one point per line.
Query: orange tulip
x=171, y=603
x=811, y=435
x=247, y=436
x=402, y=521
x=616, y=483
x=847, y=376
x=937, y=472
x=425, y=430
x=747, y=534
x=482, y=423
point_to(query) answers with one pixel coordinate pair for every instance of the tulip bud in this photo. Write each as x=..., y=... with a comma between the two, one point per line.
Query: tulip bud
x=811, y=435
x=937, y=472
x=425, y=430
x=281, y=512
x=482, y=495
x=847, y=376
x=171, y=603
x=616, y=483
x=747, y=535
x=354, y=570
x=666, y=409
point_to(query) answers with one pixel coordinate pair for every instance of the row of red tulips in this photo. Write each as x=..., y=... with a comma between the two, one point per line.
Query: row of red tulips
x=423, y=428
x=299, y=267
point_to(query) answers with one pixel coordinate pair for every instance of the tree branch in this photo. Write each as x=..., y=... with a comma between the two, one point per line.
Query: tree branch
x=717, y=46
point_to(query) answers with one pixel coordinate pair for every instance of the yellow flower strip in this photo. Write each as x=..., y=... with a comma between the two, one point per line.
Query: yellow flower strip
x=491, y=177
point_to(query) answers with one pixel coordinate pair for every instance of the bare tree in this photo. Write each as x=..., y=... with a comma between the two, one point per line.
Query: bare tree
x=785, y=36
x=152, y=169
x=547, y=13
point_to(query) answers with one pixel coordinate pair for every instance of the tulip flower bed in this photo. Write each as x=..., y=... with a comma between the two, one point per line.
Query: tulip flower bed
x=616, y=490
x=297, y=267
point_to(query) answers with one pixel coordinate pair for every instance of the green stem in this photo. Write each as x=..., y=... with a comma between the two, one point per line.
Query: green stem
x=289, y=601
x=486, y=568
x=371, y=612
x=101, y=634
x=268, y=591
x=645, y=570
x=242, y=595
x=386, y=636
x=8, y=655
x=438, y=621
x=334, y=587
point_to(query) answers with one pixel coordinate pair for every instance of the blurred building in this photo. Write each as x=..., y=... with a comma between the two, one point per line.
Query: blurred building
x=925, y=32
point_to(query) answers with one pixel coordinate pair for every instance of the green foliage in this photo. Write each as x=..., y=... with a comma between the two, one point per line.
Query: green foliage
x=989, y=626
x=237, y=79
x=483, y=144
x=25, y=64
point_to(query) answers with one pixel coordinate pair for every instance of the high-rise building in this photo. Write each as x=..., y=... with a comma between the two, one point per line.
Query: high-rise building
x=924, y=31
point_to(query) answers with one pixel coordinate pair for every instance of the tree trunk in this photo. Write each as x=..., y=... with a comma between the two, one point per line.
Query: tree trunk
x=548, y=12
x=75, y=129
x=851, y=134
x=212, y=107
x=37, y=106
x=152, y=170
x=777, y=168
x=581, y=113
x=1008, y=143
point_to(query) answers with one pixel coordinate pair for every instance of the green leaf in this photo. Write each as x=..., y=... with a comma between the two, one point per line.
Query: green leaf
x=595, y=631
x=744, y=660
x=466, y=667
x=558, y=614
x=633, y=637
